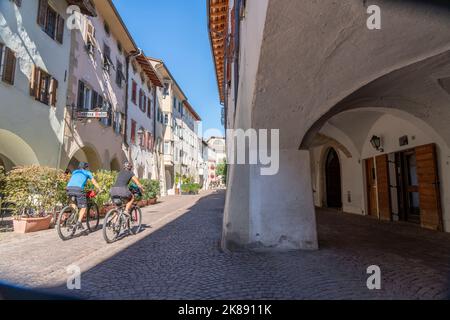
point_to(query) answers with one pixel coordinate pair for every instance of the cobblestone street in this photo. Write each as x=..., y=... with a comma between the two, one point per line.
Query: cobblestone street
x=177, y=257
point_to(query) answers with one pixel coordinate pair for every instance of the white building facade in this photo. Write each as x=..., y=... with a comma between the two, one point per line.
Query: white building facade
x=35, y=46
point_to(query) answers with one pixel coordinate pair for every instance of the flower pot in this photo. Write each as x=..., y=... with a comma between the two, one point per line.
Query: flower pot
x=142, y=203
x=105, y=209
x=152, y=201
x=27, y=225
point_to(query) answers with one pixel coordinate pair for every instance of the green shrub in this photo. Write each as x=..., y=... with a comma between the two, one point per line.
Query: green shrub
x=190, y=188
x=152, y=189
x=106, y=179
x=35, y=190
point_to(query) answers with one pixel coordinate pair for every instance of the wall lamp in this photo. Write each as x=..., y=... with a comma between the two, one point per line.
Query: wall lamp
x=376, y=143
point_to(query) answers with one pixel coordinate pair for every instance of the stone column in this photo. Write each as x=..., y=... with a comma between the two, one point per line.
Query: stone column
x=271, y=213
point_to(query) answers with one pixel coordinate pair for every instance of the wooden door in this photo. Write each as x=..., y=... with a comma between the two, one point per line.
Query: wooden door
x=372, y=207
x=430, y=201
x=383, y=188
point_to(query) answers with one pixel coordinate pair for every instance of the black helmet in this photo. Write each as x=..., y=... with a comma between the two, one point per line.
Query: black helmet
x=128, y=166
x=83, y=165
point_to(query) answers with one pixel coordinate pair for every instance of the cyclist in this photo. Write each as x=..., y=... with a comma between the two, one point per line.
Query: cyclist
x=121, y=188
x=75, y=188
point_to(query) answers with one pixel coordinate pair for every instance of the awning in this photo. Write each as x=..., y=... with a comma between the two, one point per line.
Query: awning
x=148, y=69
x=218, y=24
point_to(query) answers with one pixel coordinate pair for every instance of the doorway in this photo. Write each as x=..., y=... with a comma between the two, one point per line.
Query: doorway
x=408, y=186
x=333, y=180
x=371, y=179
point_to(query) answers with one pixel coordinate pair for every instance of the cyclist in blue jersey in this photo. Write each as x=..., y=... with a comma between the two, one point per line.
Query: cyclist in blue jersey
x=75, y=188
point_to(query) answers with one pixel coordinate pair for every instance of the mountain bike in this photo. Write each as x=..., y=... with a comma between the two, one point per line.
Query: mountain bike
x=66, y=224
x=117, y=220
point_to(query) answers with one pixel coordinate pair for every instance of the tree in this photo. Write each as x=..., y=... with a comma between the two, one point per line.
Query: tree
x=221, y=170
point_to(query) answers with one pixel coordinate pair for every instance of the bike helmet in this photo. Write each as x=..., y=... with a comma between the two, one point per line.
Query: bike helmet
x=83, y=165
x=128, y=166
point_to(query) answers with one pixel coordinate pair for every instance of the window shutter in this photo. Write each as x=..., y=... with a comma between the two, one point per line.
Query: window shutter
x=122, y=123
x=80, y=94
x=9, y=66
x=35, y=82
x=1, y=57
x=134, y=92
x=42, y=13
x=133, y=131
x=94, y=99
x=53, y=92
x=60, y=29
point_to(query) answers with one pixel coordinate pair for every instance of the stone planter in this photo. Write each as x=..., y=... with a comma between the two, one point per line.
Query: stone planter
x=28, y=225
x=152, y=201
x=142, y=203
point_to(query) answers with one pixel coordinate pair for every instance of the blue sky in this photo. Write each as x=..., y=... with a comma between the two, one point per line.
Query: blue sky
x=176, y=32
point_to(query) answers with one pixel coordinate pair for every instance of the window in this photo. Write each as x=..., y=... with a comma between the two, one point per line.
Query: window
x=141, y=100
x=50, y=21
x=166, y=119
x=107, y=30
x=166, y=89
x=133, y=132
x=150, y=107
x=7, y=64
x=166, y=147
x=107, y=62
x=119, y=74
x=89, y=99
x=119, y=122
x=174, y=103
x=43, y=87
x=90, y=38
x=119, y=47
x=107, y=122
x=134, y=92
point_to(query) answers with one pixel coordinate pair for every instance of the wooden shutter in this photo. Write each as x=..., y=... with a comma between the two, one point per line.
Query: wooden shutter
x=42, y=13
x=94, y=99
x=60, y=29
x=430, y=202
x=35, y=82
x=134, y=92
x=81, y=95
x=9, y=67
x=384, y=196
x=53, y=92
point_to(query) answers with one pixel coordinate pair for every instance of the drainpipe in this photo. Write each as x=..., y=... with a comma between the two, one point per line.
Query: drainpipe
x=125, y=136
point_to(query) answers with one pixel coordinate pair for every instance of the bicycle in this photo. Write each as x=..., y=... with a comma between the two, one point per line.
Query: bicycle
x=68, y=217
x=116, y=220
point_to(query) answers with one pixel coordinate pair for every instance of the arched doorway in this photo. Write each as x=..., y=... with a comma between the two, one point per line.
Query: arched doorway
x=85, y=154
x=333, y=180
x=115, y=165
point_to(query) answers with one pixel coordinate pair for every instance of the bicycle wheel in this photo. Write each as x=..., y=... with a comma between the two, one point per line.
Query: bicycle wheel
x=66, y=224
x=135, y=222
x=92, y=217
x=112, y=226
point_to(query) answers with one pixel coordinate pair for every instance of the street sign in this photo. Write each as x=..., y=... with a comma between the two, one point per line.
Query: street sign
x=92, y=114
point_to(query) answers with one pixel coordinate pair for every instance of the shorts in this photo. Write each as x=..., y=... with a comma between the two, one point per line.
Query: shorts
x=119, y=192
x=79, y=195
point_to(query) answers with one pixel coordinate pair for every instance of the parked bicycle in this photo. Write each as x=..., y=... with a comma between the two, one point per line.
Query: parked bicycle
x=68, y=217
x=117, y=220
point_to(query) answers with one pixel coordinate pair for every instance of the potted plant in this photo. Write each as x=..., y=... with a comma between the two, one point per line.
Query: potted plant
x=35, y=191
x=151, y=191
x=106, y=180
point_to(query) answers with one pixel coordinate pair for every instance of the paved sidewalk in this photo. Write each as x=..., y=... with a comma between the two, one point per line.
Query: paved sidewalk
x=179, y=258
